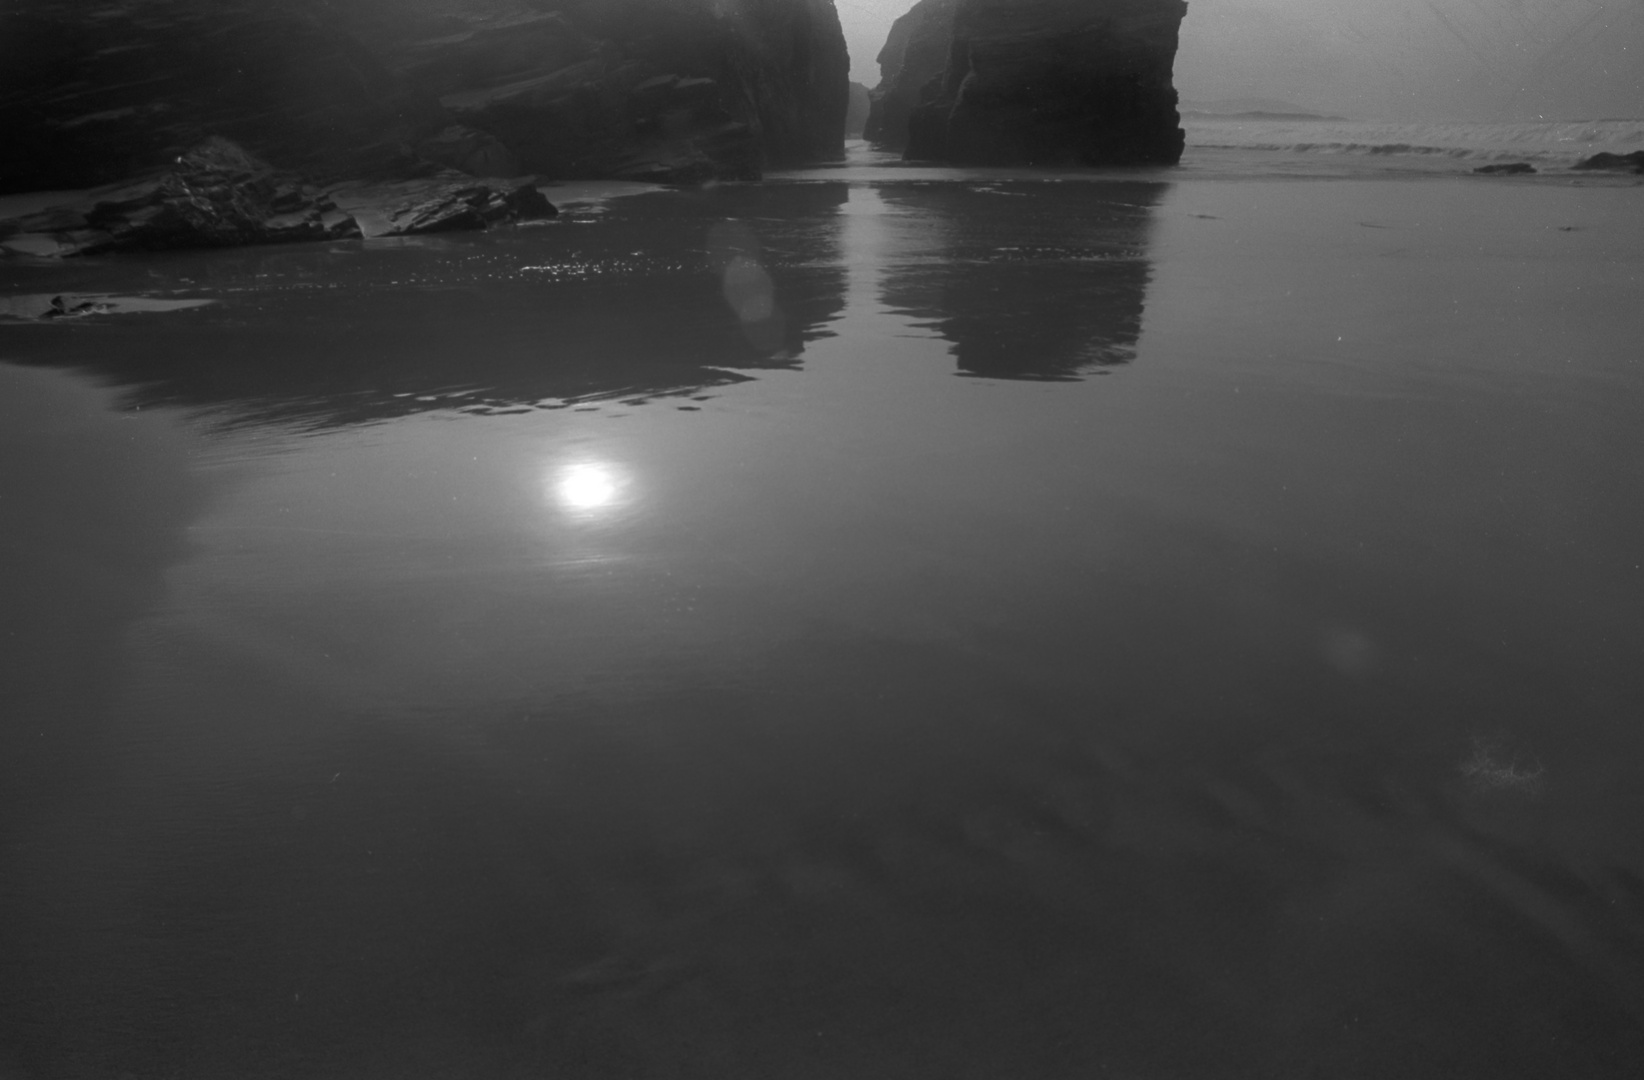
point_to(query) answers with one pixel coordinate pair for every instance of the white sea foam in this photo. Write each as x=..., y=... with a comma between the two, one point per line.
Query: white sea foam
x=1543, y=143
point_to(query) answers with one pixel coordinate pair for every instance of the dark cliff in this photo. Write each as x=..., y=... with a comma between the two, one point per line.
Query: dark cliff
x=915, y=56
x=1050, y=82
x=798, y=73
x=641, y=89
x=91, y=92
x=94, y=91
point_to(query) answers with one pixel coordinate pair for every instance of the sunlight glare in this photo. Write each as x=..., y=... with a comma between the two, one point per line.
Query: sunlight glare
x=588, y=486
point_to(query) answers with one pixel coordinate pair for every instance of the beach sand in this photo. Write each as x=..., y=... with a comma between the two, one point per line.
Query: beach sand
x=882, y=622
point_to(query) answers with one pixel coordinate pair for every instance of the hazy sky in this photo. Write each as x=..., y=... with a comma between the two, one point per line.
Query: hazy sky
x=1569, y=59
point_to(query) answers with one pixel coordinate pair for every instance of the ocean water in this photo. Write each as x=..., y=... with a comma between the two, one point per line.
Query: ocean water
x=881, y=622
x=1433, y=145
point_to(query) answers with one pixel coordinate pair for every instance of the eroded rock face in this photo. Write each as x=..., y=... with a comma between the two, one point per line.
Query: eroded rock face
x=915, y=56
x=648, y=89
x=93, y=91
x=794, y=65
x=1049, y=82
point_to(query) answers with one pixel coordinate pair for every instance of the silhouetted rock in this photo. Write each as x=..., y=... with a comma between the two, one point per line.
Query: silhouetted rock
x=915, y=56
x=799, y=76
x=1054, y=82
x=217, y=195
x=98, y=91
x=1509, y=168
x=1633, y=162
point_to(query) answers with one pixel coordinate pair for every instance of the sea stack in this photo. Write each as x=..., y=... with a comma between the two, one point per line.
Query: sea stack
x=1035, y=82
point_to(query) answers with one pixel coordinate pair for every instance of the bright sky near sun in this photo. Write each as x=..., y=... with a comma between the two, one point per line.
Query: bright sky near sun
x=866, y=23
x=1396, y=59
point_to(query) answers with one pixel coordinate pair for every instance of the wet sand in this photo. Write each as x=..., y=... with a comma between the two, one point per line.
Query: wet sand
x=879, y=624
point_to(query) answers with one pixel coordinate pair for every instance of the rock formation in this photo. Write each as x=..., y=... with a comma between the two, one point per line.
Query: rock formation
x=915, y=54
x=798, y=76
x=638, y=89
x=464, y=338
x=1045, y=82
x=96, y=91
x=217, y=195
x=93, y=91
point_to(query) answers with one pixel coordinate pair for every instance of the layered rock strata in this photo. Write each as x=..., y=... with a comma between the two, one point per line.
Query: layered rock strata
x=94, y=91
x=1045, y=82
x=640, y=89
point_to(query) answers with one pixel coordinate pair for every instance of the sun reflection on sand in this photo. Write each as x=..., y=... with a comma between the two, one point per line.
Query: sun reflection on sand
x=588, y=487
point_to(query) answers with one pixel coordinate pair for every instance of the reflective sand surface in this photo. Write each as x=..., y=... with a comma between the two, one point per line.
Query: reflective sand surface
x=844, y=628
